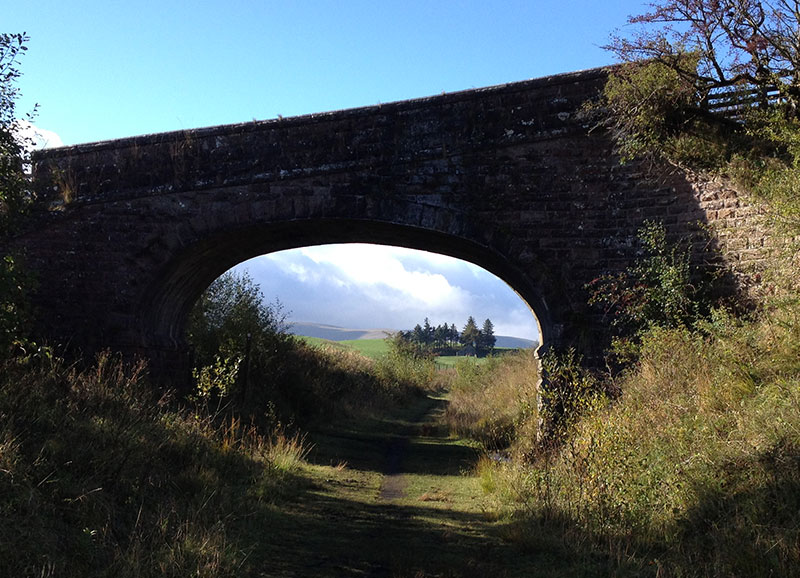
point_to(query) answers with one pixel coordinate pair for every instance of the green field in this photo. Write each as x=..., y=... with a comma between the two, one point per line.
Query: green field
x=377, y=348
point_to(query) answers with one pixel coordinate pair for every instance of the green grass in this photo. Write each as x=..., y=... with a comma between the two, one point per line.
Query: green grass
x=378, y=348
x=372, y=348
x=100, y=475
x=440, y=523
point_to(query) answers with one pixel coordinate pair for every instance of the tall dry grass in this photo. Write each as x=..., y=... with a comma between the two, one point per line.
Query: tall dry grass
x=102, y=475
x=694, y=471
x=494, y=402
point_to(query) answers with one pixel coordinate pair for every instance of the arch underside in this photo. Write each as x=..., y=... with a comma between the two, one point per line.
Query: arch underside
x=164, y=309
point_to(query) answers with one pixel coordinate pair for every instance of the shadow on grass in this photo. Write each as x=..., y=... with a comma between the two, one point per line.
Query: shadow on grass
x=374, y=444
x=326, y=536
x=745, y=523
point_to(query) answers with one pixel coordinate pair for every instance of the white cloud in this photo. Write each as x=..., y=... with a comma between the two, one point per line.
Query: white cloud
x=38, y=138
x=373, y=286
x=384, y=271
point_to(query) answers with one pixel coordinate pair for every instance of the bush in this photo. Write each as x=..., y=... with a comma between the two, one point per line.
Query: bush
x=652, y=111
x=15, y=196
x=661, y=289
x=693, y=471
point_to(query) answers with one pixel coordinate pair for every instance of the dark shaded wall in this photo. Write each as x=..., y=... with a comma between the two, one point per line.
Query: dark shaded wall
x=126, y=234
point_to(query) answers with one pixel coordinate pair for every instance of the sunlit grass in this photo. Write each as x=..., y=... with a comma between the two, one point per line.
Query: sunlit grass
x=694, y=471
x=495, y=401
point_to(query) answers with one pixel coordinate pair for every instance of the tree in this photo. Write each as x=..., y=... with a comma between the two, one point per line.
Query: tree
x=232, y=329
x=469, y=334
x=418, y=335
x=440, y=335
x=14, y=183
x=227, y=312
x=427, y=333
x=735, y=42
x=14, y=193
x=454, y=335
x=682, y=53
x=486, y=338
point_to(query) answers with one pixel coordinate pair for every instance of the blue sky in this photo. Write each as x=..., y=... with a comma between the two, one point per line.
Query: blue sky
x=110, y=69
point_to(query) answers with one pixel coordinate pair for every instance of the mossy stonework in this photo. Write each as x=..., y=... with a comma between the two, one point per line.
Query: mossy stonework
x=126, y=234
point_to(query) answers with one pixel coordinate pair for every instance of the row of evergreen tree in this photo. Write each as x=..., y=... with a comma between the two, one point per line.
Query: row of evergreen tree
x=447, y=339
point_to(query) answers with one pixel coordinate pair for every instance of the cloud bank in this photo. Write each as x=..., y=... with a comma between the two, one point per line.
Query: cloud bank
x=37, y=138
x=372, y=286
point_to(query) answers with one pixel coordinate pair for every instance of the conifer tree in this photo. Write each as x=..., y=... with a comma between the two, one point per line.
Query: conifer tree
x=486, y=338
x=469, y=334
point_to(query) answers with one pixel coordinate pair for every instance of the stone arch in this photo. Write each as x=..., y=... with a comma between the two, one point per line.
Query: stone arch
x=162, y=311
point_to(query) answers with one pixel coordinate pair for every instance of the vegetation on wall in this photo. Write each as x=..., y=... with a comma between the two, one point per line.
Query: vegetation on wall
x=713, y=85
x=663, y=288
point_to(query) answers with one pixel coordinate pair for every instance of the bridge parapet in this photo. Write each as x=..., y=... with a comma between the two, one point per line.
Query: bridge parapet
x=391, y=139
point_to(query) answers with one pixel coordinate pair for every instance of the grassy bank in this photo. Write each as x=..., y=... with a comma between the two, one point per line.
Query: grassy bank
x=101, y=476
x=102, y=473
x=693, y=471
x=494, y=402
x=371, y=348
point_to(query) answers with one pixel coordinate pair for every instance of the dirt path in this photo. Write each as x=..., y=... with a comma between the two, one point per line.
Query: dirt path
x=394, y=499
x=394, y=482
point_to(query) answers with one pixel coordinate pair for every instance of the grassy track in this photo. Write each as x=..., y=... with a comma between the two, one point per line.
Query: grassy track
x=395, y=498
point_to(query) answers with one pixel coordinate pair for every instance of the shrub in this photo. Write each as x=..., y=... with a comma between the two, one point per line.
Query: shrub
x=651, y=111
x=661, y=289
x=696, y=465
x=15, y=196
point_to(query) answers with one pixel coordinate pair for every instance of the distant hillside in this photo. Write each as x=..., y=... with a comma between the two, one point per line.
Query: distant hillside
x=333, y=333
x=514, y=342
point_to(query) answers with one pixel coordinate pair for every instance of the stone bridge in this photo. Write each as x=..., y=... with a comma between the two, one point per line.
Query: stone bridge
x=126, y=234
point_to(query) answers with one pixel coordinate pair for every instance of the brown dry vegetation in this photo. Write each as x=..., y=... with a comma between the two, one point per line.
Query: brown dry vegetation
x=693, y=471
x=494, y=402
